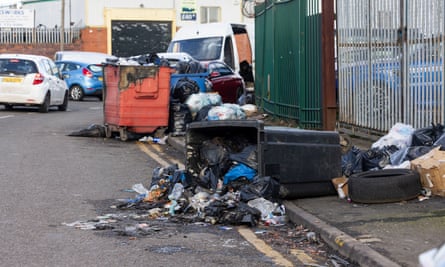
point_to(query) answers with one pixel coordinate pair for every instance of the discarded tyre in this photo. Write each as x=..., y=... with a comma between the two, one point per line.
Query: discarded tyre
x=383, y=186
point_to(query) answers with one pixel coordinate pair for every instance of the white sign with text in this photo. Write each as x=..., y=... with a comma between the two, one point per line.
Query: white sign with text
x=16, y=18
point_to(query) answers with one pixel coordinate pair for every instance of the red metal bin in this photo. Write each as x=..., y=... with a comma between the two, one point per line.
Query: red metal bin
x=136, y=99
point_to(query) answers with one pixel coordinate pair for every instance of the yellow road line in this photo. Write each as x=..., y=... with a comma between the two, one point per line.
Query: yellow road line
x=303, y=257
x=261, y=246
x=156, y=157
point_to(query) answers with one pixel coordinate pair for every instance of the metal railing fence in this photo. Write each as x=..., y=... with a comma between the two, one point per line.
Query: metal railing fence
x=38, y=35
x=390, y=56
x=288, y=63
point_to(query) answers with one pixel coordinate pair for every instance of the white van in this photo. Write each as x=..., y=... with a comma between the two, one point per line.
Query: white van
x=214, y=41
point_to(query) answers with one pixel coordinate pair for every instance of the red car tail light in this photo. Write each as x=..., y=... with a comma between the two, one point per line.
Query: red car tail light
x=38, y=79
x=87, y=73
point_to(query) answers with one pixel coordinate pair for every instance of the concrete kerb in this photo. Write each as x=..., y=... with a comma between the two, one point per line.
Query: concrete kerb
x=346, y=245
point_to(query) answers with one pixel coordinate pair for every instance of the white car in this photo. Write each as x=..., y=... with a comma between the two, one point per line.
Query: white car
x=31, y=80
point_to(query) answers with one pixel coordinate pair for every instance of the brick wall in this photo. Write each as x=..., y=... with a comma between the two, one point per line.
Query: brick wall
x=91, y=39
x=94, y=39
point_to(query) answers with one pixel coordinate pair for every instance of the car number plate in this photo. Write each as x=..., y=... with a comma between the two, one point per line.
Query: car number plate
x=12, y=80
x=101, y=78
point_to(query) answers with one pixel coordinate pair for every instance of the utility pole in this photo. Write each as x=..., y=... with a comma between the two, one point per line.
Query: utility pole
x=62, y=26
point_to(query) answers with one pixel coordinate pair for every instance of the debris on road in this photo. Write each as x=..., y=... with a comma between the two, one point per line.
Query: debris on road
x=94, y=130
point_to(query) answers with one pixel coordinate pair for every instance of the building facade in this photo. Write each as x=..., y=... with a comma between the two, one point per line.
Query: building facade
x=132, y=27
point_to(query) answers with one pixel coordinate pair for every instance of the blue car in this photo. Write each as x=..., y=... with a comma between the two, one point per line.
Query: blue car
x=384, y=84
x=83, y=79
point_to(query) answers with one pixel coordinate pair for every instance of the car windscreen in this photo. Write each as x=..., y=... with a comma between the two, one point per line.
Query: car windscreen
x=201, y=49
x=17, y=66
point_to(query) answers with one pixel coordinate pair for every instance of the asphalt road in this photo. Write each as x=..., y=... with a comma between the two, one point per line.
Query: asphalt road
x=49, y=180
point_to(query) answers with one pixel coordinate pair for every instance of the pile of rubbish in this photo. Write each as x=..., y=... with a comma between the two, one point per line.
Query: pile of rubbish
x=199, y=106
x=404, y=164
x=173, y=197
x=173, y=192
x=188, y=105
x=396, y=149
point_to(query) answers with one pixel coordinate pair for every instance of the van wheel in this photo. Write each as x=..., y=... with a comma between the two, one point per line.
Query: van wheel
x=384, y=186
x=44, y=108
x=76, y=93
x=8, y=107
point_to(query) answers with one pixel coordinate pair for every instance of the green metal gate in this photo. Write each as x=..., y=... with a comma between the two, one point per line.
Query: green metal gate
x=288, y=65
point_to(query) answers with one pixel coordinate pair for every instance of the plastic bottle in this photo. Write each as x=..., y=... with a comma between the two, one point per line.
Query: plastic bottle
x=173, y=205
x=177, y=191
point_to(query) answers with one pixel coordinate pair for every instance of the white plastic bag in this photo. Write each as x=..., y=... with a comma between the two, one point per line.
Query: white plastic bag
x=400, y=135
x=196, y=102
x=249, y=109
x=265, y=206
x=226, y=112
x=433, y=258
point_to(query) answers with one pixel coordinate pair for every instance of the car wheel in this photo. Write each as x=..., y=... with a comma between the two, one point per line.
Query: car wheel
x=76, y=93
x=44, y=108
x=8, y=107
x=65, y=103
x=384, y=186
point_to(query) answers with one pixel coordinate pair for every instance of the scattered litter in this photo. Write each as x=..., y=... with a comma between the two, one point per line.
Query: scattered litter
x=140, y=189
x=154, y=140
x=337, y=261
x=94, y=130
x=312, y=237
x=260, y=232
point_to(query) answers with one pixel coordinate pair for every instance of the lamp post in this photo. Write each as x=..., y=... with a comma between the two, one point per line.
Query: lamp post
x=62, y=26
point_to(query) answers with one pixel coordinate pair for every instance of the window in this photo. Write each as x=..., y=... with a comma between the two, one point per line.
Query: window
x=202, y=49
x=18, y=66
x=228, y=53
x=210, y=14
x=47, y=67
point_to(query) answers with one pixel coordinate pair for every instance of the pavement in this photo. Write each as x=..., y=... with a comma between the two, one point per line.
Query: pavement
x=386, y=235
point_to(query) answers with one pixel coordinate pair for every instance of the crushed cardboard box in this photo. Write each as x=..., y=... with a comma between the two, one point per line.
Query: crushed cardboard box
x=431, y=168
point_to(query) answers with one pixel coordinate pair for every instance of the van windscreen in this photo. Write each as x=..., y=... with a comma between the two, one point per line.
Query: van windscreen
x=201, y=49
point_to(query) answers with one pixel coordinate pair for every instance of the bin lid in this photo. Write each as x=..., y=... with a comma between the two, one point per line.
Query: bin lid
x=227, y=123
